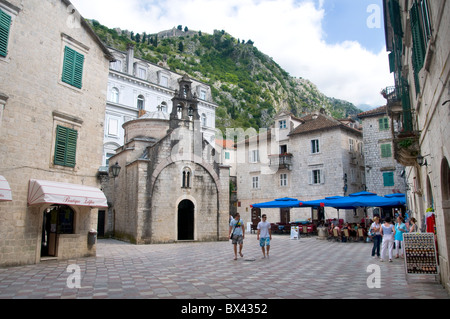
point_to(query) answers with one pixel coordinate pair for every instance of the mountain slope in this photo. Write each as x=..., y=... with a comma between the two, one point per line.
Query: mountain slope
x=249, y=87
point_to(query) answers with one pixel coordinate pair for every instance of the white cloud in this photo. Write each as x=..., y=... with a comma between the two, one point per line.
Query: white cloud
x=289, y=31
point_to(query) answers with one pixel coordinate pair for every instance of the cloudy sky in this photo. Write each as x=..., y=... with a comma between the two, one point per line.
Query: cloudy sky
x=337, y=44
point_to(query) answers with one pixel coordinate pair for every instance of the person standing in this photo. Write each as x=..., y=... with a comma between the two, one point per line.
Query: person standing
x=376, y=236
x=237, y=234
x=400, y=228
x=387, y=232
x=413, y=226
x=264, y=235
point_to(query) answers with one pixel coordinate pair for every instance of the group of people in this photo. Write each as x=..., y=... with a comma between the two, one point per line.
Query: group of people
x=385, y=234
x=352, y=229
x=237, y=235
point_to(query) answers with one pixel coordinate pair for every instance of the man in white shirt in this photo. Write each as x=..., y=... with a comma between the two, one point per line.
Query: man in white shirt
x=264, y=235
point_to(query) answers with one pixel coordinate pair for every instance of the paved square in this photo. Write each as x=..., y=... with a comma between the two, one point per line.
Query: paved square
x=305, y=268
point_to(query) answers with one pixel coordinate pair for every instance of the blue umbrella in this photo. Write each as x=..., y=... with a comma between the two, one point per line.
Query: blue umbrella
x=285, y=202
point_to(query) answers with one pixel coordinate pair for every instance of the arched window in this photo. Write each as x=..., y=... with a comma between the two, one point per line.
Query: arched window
x=186, y=176
x=141, y=102
x=185, y=91
x=114, y=95
x=180, y=111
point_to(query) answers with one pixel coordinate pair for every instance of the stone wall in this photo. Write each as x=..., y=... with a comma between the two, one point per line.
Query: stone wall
x=38, y=101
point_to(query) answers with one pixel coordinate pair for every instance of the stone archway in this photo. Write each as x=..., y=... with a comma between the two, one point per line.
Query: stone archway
x=186, y=220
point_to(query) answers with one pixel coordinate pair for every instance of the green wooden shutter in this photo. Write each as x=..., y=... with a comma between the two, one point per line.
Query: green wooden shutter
x=66, y=146
x=388, y=179
x=73, y=67
x=383, y=124
x=386, y=150
x=419, y=48
x=5, y=25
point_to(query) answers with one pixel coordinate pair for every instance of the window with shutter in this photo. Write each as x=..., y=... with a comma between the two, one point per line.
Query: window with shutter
x=5, y=25
x=65, y=146
x=383, y=124
x=388, y=179
x=73, y=67
x=419, y=45
x=386, y=150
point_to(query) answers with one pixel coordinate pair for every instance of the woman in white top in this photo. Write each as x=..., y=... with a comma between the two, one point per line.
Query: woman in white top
x=387, y=232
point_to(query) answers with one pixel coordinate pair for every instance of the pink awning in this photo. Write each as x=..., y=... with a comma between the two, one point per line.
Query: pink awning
x=41, y=192
x=5, y=190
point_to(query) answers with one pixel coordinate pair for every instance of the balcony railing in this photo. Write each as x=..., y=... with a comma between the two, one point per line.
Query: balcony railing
x=391, y=94
x=282, y=161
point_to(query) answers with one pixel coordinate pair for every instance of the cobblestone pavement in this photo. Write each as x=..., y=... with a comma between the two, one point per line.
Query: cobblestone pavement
x=305, y=268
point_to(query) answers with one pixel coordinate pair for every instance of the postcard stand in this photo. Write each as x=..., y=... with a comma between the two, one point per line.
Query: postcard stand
x=420, y=255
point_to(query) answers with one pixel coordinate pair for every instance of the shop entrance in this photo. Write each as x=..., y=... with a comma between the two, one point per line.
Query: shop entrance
x=186, y=220
x=57, y=219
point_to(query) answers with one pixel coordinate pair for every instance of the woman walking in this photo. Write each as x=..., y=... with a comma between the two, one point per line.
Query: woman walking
x=387, y=232
x=400, y=228
x=376, y=236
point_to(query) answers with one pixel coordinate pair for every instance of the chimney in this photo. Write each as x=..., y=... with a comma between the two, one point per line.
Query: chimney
x=130, y=58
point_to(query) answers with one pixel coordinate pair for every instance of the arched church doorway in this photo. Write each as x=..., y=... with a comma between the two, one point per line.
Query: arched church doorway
x=186, y=220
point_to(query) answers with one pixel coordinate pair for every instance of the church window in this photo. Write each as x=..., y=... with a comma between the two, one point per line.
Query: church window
x=180, y=111
x=185, y=91
x=186, y=176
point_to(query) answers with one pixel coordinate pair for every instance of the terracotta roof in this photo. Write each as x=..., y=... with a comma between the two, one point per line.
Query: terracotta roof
x=227, y=144
x=382, y=110
x=316, y=122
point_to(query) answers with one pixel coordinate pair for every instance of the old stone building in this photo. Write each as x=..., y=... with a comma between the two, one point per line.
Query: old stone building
x=384, y=175
x=136, y=86
x=53, y=78
x=307, y=158
x=417, y=33
x=170, y=186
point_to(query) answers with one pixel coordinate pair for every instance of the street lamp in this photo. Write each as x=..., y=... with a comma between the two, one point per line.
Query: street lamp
x=115, y=169
x=421, y=161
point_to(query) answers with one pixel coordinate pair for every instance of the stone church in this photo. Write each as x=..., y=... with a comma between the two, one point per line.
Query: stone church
x=170, y=187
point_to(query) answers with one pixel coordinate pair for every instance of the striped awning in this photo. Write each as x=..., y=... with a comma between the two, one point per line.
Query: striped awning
x=41, y=192
x=5, y=190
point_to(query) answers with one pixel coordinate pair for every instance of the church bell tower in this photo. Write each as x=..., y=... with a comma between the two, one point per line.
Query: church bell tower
x=184, y=105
